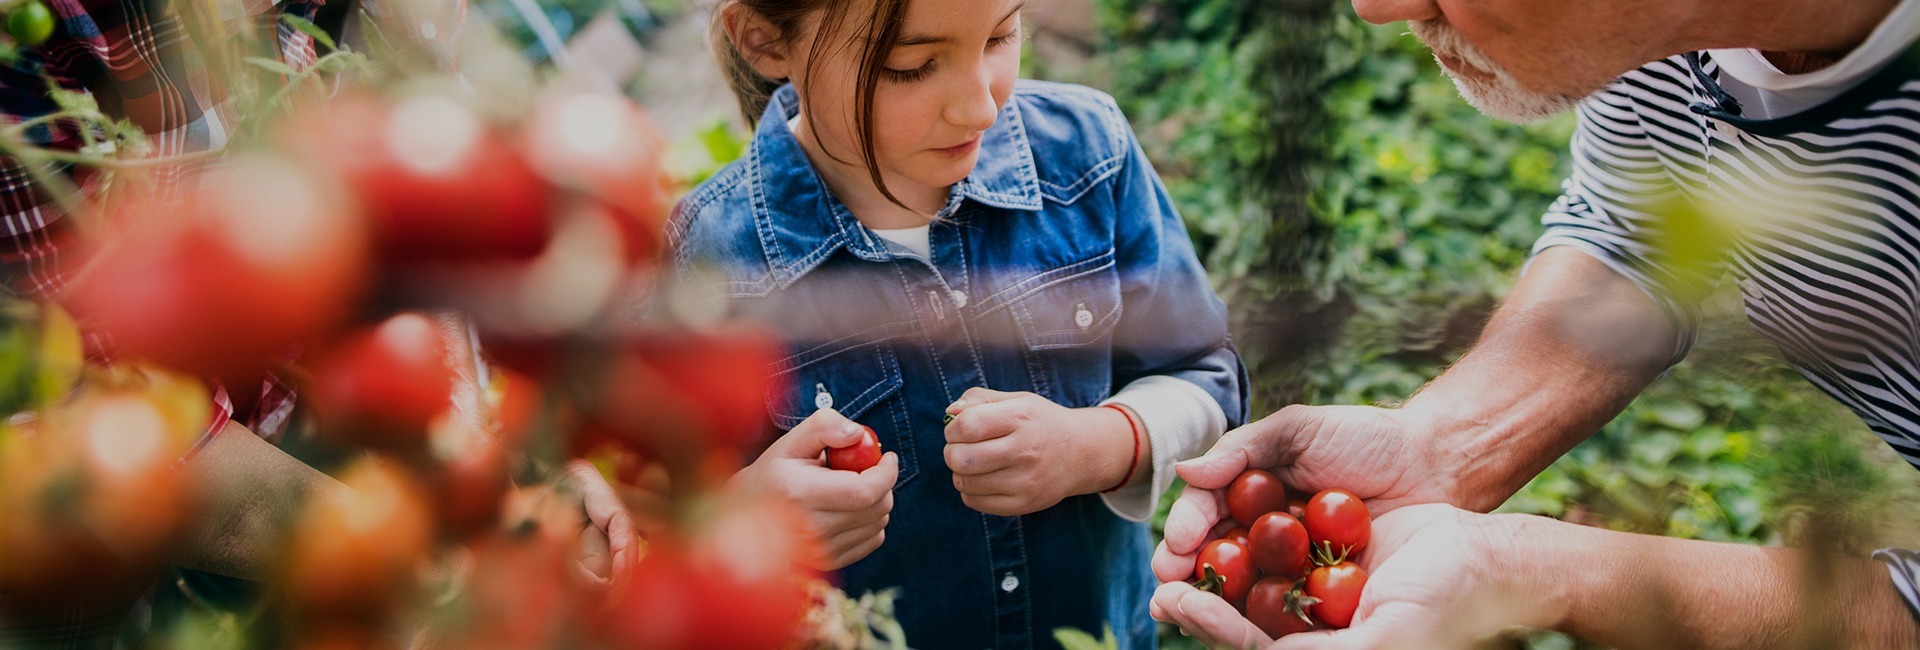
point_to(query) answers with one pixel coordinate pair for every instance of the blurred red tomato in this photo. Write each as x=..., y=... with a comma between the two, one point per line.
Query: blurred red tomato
x=353, y=553
x=680, y=397
x=523, y=590
x=224, y=283
x=516, y=401
x=437, y=182
x=604, y=146
x=733, y=585
x=383, y=386
x=468, y=479
x=92, y=498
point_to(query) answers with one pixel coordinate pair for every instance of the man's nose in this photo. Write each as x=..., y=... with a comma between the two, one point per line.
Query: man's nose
x=1381, y=12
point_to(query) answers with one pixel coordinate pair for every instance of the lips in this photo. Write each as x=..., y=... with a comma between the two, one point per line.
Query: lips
x=960, y=149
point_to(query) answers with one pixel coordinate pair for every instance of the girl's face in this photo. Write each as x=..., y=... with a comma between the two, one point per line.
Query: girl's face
x=940, y=88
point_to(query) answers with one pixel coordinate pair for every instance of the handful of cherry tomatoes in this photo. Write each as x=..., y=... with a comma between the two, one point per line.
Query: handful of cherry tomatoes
x=1288, y=565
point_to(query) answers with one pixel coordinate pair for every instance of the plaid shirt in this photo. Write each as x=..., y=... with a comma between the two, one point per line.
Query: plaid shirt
x=138, y=61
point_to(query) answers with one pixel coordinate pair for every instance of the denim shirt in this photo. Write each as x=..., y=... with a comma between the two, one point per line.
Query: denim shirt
x=1059, y=267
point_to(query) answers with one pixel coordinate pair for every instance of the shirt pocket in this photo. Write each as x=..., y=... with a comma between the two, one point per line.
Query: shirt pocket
x=860, y=378
x=1066, y=322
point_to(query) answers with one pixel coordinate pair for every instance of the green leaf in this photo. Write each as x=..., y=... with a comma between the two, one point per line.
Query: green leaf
x=1073, y=639
x=306, y=27
x=270, y=65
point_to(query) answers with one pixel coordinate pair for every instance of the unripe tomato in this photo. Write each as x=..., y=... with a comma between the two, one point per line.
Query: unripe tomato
x=1338, y=589
x=1279, y=545
x=1338, y=523
x=1253, y=493
x=1231, y=565
x=382, y=387
x=1274, y=606
x=30, y=23
x=858, y=456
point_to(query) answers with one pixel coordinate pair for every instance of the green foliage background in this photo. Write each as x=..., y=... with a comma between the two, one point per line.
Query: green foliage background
x=1418, y=214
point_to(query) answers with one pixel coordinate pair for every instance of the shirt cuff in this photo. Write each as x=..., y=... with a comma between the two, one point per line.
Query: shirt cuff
x=1904, y=566
x=1181, y=421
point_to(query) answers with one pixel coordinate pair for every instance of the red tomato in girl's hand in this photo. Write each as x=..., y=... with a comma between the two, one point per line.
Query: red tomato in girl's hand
x=1338, y=588
x=1338, y=523
x=1231, y=565
x=1253, y=493
x=1274, y=606
x=858, y=456
x=1279, y=545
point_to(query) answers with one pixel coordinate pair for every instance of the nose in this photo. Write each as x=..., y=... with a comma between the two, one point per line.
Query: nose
x=974, y=104
x=1381, y=12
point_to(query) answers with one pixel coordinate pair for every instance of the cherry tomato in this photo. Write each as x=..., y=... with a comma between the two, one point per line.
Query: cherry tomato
x=604, y=146
x=355, y=551
x=30, y=23
x=468, y=480
x=1338, y=524
x=382, y=387
x=1224, y=566
x=1338, y=589
x=226, y=282
x=1279, y=545
x=1253, y=493
x=858, y=456
x=1238, y=534
x=730, y=585
x=1274, y=605
x=679, y=396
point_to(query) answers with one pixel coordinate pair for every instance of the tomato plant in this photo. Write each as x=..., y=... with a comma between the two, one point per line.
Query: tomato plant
x=1279, y=545
x=857, y=457
x=1253, y=493
x=1338, y=524
x=1226, y=568
x=1338, y=589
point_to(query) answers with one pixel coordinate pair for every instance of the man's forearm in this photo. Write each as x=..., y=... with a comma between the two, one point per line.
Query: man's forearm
x=1564, y=354
x=1641, y=591
x=253, y=492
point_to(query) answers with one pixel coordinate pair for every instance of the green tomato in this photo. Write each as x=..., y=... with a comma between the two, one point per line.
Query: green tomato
x=30, y=23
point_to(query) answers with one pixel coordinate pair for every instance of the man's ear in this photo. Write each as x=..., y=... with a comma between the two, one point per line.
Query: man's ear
x=758, y=41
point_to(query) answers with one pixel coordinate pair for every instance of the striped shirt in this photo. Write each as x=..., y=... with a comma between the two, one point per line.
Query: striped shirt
x=1826, y=242
x=1822, y=210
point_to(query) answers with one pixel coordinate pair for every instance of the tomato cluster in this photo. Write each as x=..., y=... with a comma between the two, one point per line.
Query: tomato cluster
x=1288, y=565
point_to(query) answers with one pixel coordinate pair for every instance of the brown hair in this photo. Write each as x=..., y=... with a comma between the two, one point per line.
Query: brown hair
x=880, y=32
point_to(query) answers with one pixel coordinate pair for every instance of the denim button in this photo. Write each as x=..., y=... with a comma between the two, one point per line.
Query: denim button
x=1009, y=583
x=822, y=399
x=1082, y=317
x=959, y=299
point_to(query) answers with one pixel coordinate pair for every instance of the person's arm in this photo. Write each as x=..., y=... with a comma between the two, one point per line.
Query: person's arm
x=1642, y=591
x=1441, y=577
x=1568, y=350
x=253, y=493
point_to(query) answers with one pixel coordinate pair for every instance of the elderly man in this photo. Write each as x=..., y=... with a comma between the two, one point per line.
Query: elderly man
x=1812, y=104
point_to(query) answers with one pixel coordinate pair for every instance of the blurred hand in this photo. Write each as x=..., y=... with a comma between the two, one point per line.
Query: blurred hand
x=609, y=542
x=847, y=511
x=1438, y=577
x=1377, y=454
x=1019, y=453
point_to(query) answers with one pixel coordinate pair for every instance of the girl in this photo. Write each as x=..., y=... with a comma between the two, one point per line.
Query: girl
x=987, y=273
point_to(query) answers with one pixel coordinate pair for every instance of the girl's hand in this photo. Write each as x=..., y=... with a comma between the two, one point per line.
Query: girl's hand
x=1018, y=453
x=846, y=511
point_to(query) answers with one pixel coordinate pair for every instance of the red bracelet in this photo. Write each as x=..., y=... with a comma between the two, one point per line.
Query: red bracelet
x=1134, y=428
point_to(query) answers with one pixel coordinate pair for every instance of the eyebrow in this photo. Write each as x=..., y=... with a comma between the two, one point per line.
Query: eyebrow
x=910, y=40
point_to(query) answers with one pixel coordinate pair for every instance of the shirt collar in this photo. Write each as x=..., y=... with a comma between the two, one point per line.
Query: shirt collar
x=800, y=221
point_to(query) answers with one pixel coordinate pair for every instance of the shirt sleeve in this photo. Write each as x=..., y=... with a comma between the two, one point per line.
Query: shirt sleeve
x=1621, y=207
x=1174, y=360
x=1904, y=566
x=1180, y=420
